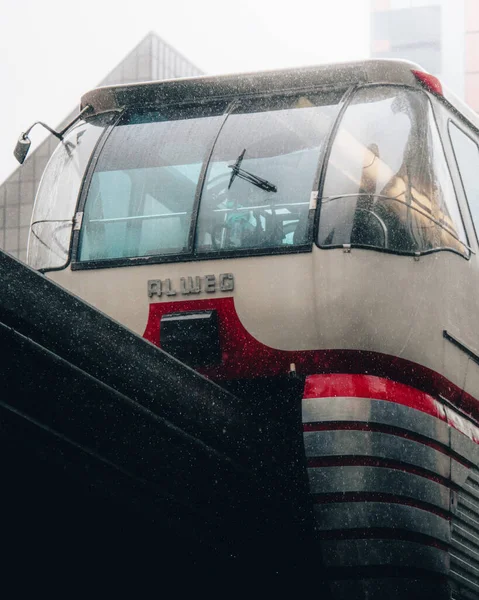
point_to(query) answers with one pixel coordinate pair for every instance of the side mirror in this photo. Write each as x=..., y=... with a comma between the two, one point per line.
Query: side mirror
x=22, y=148
x=24, y=142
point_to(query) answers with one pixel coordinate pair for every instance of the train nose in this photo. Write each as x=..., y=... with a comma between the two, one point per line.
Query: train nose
x=380, y=486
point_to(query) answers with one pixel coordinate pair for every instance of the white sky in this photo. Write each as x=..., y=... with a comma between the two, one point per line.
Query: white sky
x=52, y=51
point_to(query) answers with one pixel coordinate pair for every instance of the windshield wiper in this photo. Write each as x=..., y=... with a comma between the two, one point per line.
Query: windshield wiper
x=263, y=184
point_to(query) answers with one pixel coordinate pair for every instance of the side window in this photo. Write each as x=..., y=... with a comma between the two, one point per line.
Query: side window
x=467, y=158
x=388, y=185
x=52, y=220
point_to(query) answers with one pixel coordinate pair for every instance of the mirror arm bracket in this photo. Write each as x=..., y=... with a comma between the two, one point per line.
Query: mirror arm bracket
x=23, y=144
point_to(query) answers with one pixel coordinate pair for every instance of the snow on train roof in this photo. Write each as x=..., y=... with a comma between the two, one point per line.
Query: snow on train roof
x=193, y=89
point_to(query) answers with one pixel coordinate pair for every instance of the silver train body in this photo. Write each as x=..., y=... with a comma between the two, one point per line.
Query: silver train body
x=319, y=221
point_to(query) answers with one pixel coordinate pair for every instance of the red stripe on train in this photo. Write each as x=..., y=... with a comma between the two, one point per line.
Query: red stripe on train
x=371, y=387
x=350, y=385
x=245, y=357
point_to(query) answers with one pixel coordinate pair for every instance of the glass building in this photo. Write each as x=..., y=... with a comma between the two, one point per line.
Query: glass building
x=440, y=35
x=150, y=60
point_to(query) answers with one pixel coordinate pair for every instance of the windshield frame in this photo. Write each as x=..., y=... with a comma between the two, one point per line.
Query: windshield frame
x=344, y=92
x=431, y=101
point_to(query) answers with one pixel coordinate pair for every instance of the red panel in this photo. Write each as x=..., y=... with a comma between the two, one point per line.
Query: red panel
x=369, y=386
x=378, y=388
x=243, y=356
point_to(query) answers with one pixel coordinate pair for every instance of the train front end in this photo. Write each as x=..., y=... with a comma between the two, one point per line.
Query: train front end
x=299, y=235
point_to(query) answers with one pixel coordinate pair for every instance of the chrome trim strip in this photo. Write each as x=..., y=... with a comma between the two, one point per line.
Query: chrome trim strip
x=473, y=354
x=461, y=500
x=374, y=444
x=368, y=410
x=364, y=515
x=333, y=480
x=398, y=553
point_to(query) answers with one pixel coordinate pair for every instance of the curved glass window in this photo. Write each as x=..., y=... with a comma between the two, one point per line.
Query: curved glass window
x=467, y=157
x=387, y=184
x=251, y=173
x=142, y=193
x=56, y=200
x=262, y=172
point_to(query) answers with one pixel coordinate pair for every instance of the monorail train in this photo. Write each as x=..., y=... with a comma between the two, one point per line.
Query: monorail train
x=317, y=222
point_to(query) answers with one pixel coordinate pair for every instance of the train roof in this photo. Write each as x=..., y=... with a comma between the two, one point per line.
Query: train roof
x=210, y=87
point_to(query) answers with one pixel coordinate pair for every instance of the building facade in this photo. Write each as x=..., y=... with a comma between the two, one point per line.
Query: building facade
x=440, y=35
x=151, y=60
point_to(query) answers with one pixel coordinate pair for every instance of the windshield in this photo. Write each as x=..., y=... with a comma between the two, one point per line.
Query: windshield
x=204, y=179
x=141, y=196
x=262, y=173
x=388, y=185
